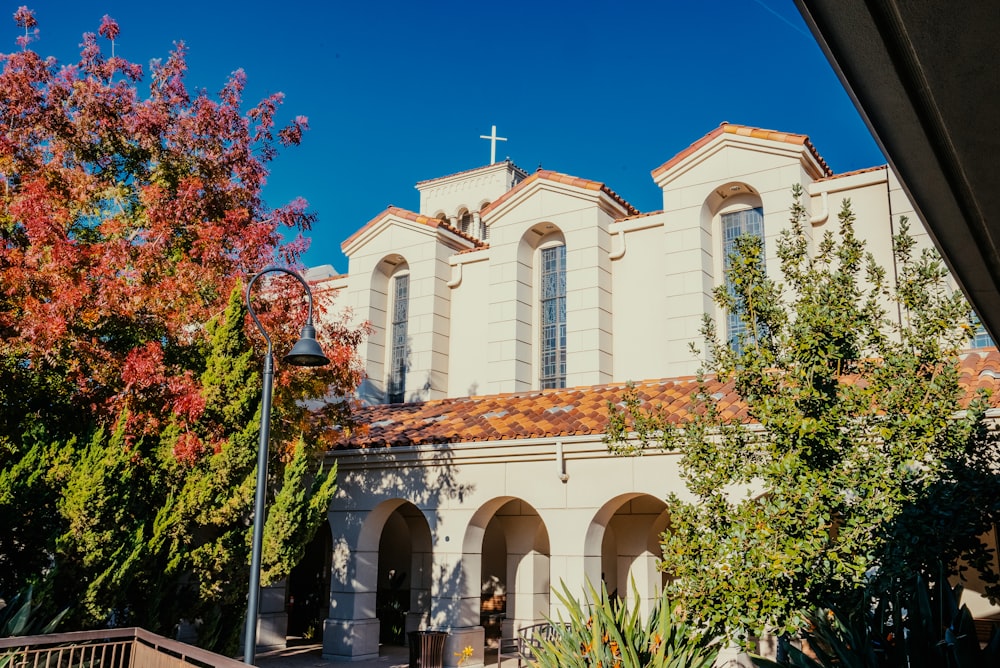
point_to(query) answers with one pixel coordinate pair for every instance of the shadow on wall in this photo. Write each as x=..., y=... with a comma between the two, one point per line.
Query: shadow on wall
x=370, y=394
x=383, y=574
x=426, y=479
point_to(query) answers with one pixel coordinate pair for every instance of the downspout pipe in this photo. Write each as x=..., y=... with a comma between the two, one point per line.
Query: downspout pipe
x=620, y=253
x=823, y=215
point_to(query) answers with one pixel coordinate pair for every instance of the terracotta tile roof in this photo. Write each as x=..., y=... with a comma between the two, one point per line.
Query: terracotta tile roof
x=744, y=131
x=408, y=215
x=545, y=413
x=638, y=215
x=478, y=244
x=980, y=370
x=318, y=283
x=832, y=177
x=470, y=171
x=575, y=411
x=558, y=177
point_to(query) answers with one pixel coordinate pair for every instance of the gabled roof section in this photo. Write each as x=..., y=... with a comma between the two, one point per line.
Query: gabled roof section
x=743, y=131
x=580, y=410
x=557, y=177
x=855, y=172
x=418, y=218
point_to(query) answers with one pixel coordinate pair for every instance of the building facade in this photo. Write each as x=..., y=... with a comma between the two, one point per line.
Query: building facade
x=507, y=311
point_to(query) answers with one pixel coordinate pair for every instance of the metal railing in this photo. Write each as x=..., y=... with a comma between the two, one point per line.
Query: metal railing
x=106, y=648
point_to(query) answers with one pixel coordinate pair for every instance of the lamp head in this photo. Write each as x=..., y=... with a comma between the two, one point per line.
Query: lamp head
x=306, y=351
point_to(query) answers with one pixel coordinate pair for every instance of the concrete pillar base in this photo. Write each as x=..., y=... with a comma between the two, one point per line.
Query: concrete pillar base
x=460, y=638
x=271, y=630
x=350, y=639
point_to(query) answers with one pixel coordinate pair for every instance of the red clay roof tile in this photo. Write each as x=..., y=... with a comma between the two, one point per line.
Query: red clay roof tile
x=638, y=215
x=581, y=410
x=393, y=211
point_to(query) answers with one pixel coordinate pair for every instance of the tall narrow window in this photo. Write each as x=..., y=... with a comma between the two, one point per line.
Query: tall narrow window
x=397, y=362
x=553, y=318
x=484, y=232
x=748, y=222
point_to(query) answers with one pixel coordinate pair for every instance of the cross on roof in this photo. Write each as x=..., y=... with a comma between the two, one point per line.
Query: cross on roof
x=493, y=143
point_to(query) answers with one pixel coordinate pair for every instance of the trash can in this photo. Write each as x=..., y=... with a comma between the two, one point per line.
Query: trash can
x=427, y=649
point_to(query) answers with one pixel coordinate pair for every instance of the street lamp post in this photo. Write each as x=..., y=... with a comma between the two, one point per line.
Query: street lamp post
x=306, y=352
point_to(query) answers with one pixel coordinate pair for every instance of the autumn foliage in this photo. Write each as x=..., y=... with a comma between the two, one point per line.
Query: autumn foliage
x=131, y=211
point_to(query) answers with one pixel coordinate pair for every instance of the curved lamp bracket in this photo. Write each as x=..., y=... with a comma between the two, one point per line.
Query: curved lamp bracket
x=306, y=352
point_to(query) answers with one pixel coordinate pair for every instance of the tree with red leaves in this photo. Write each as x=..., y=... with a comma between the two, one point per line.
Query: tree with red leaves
x=127, y=222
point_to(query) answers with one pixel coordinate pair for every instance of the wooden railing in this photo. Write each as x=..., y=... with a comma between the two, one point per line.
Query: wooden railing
x=107, y=648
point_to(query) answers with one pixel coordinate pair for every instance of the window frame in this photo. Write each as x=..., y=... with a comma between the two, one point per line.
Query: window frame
x=735, y=327
x=552, y=372
x=397, y=330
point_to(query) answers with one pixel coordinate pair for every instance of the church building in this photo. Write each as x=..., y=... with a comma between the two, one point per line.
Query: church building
x=508, y=310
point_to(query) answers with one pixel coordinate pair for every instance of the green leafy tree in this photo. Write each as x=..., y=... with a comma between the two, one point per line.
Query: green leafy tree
x=856, y=464
x=299, y=507
x=130, y=220
x=29, y=494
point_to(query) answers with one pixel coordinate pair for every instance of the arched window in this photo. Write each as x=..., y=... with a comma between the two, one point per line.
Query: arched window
x=465, y=222
x=484, y=232
x=735, y=224
x=552, y=300
x=396, y=385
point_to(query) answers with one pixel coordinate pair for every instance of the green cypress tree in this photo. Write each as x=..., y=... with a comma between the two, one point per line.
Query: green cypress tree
x=151, y=542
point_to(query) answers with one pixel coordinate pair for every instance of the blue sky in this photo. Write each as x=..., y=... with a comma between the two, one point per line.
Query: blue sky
x=398, y=92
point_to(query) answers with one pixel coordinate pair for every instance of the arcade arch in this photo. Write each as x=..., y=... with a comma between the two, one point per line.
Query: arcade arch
x=622, y=546
x=506, y=549
x=396, y=543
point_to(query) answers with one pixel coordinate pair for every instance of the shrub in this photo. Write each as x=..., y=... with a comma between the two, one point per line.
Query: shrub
x=914, y=626
x=609, y=632
x=18, y=618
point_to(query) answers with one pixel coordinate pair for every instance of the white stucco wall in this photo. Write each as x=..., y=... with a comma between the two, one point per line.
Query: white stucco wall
x=467, y=190
x=554, y=530
x=647, y=331
x=634, y=315
x=468, y=370
x=388, y=248
x=545, y=213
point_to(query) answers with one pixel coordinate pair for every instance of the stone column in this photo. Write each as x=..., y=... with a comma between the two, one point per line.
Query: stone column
x=529, y=602
x=351, y=631
x=272, y=620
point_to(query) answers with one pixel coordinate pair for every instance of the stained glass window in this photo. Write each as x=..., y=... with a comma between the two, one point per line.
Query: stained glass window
x=735, y=225
x=553, y=317
x=397, y=364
